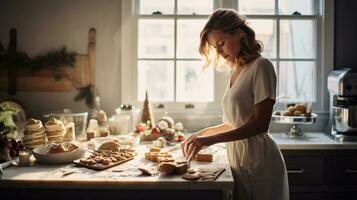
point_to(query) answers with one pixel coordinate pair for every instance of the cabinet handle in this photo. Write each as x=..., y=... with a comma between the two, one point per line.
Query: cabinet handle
x=295, y=171
x=351, y=171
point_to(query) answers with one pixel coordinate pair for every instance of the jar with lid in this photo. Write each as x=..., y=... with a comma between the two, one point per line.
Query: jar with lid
x=127, y=116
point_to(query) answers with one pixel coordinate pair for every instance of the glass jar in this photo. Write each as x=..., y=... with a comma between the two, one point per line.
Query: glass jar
x=127, y=116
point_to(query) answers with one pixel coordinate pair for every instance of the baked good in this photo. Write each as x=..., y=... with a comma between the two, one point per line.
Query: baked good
x=161, y=159
x=181, y=167
x=34, y=134
x=57, y=148
x=191, y=176
x=148, y=170
x=71, y=147
x=204, y=157
x=167, y=167
x=113, y=146
x=55, y=130
x=154, y=149
x=152, y=156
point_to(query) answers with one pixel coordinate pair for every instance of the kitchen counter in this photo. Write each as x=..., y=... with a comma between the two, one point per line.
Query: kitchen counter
x=311, y=141
x=44, y=177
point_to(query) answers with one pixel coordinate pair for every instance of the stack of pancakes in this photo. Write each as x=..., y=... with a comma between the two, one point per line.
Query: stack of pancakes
x=34, y=134
x=55, y=130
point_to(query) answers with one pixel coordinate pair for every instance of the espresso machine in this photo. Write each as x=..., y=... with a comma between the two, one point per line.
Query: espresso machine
x=342, y=87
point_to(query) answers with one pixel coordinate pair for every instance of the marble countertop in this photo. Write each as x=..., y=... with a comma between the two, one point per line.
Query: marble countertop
x=55, y=176
x=311, y=141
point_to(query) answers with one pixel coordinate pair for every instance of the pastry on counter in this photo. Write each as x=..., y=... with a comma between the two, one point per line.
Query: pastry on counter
x=167, y=168
x=111, y=145
x=153, y=156
x=55, y=130
x=148, y=170
x=181, y=167
x=34, y=134
x=204, y=157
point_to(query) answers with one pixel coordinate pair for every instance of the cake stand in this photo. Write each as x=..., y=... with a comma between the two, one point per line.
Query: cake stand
x=294, y=131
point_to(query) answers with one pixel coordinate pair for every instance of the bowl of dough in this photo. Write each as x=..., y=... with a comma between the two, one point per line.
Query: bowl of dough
x=58, y=153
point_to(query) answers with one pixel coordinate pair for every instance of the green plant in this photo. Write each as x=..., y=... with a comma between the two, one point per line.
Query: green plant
x=7, y=124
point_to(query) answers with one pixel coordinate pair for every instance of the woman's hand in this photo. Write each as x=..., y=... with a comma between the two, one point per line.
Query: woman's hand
x=195, y=145
x=192, y=137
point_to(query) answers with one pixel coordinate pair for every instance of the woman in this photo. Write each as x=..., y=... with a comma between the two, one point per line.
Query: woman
x=257, y=164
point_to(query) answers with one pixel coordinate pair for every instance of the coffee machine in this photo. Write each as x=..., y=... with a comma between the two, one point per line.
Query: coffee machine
x=342, y=87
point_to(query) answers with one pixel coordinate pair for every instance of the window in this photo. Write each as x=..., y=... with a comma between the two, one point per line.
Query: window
x=288, y=30
x=169, y=65
x=164, y=60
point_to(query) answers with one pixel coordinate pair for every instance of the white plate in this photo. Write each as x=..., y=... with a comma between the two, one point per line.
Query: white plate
x=42, y=156
x=122, y=139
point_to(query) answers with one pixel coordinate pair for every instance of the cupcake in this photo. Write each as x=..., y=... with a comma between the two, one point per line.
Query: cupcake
x=55, y=130
x=34, y=134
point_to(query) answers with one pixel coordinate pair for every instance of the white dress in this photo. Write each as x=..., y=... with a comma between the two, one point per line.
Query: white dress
x=257, y=164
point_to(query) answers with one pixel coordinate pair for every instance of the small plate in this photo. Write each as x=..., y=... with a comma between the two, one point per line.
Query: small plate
x=42, y=156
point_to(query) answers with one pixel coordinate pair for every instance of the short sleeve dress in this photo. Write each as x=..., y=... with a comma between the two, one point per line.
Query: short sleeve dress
x=256, y=162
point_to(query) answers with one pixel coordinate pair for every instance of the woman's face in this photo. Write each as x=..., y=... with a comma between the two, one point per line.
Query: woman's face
x=226, y=45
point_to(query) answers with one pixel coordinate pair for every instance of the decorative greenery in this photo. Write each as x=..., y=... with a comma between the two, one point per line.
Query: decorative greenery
x=53, y=60
x=87, y=94
x=7, y=124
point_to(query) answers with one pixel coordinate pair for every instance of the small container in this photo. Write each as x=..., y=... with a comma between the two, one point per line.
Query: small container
x=103, y=132
x=24, y=159
x=127, y=116
x=90, y=135
x=93, y=126
x=69, y=136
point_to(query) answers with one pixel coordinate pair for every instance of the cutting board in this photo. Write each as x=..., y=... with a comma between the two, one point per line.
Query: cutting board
x=100, y=166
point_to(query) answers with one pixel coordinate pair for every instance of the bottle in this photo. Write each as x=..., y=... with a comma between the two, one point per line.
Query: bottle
x=99, y=114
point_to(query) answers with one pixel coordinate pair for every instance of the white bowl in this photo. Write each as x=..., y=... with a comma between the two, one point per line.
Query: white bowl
x=128, y=140
x=41, y=154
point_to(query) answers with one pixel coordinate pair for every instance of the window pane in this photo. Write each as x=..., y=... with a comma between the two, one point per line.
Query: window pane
x=188, y=38
x=156, y=38
x=265, y=31
x=304, y=7
x=297, y=80
x=156, y=77
x=200, y=7
x=148, y=7
x=297, y=39
x=256, y=7
x=193, y=84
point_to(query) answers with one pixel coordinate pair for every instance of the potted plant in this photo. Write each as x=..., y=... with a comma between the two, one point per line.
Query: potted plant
x=7, y=126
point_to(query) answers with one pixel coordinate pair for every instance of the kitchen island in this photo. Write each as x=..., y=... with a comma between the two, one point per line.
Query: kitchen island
x=124, y=181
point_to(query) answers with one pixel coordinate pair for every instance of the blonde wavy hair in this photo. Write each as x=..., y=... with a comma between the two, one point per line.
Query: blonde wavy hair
x=228, y=21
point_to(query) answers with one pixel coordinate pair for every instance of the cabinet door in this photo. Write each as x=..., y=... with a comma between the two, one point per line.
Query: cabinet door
x=342, y=170
x=305, y=170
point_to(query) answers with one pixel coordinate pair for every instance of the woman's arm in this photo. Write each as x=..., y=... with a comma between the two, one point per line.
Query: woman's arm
x=213, y=130
x=258, y=123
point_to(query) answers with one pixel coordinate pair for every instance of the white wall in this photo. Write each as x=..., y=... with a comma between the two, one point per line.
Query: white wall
x=44, y=25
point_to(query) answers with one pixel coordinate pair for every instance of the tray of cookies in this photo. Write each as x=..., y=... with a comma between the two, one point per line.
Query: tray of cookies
x=109, y=154
x=104, y=159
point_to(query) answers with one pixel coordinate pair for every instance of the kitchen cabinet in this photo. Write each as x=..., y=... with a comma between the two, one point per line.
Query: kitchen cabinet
x=321, y=174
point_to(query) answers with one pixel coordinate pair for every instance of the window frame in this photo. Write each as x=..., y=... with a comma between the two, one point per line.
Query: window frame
x=129, y=42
